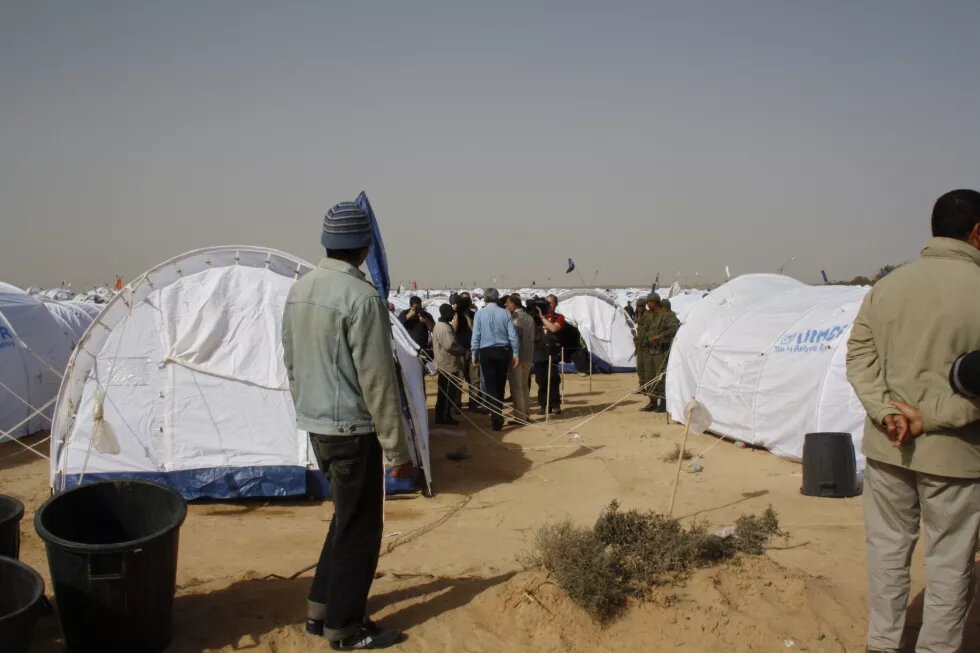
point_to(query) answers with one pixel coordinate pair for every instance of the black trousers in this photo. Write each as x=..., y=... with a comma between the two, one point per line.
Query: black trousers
x=354, y=465
x=450, y=395
x=541, y=377
x=494, y=362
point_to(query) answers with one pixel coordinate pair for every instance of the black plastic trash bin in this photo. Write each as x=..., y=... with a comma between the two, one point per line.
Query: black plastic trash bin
x=829, y=467
x=21, y=595
x=112, y=549
x=11, y=512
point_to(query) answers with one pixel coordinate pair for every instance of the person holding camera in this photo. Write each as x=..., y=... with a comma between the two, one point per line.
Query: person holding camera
x=922, y=437
x=463, y=305
x=417, y=321
x=495, y=349
x=547, y=355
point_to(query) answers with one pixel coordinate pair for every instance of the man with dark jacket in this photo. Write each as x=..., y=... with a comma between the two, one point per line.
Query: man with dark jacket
x=336, y=338
x=417, y=321
x=922, y=439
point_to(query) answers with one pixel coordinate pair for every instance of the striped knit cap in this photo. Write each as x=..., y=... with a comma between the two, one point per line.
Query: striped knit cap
x=346, y=226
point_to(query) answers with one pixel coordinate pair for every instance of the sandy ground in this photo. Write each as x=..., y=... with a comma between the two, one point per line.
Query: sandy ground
x=451, y=573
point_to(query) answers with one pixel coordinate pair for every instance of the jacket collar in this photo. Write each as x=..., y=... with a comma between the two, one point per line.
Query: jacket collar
x=341, y=266
x=951, y=248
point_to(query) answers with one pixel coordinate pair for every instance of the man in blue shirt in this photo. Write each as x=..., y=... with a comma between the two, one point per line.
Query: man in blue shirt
x=495, y=349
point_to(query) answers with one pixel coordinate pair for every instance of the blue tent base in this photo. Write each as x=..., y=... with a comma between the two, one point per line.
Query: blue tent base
x=230, y=483
x=217, y=482
x=318, y=487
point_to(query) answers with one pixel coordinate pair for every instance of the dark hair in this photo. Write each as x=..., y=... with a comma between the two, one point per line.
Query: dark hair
x=515, y=299
x=352, y=256
x=955, y=214
x=414, y=299
x=446, y=313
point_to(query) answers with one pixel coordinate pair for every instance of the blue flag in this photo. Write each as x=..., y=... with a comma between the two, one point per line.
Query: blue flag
x=571, y=266
x=824, y=274
x=377, y=260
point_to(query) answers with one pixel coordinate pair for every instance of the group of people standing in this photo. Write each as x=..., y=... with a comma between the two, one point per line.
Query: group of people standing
x=656, y=326
x=499, y=345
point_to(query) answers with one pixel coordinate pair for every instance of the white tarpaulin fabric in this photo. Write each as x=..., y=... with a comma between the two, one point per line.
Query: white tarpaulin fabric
x=605, y=327
x=34, y=350
x=185, y=380
x=765, y=354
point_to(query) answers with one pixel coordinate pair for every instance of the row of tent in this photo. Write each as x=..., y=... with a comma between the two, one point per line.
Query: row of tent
x=180, y=378
x=37, y=337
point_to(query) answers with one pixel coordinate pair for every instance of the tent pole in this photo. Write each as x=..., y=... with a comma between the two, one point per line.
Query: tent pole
x=680, y=461
x=561, y=376
x=547, y=396
x=590, y=372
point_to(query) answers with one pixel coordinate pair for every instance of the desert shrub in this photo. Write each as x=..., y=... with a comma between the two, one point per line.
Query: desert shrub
x=582, y=567
x=627, y=553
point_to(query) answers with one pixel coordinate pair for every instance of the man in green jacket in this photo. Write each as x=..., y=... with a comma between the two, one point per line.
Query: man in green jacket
x=921, y=439
x=336, y=337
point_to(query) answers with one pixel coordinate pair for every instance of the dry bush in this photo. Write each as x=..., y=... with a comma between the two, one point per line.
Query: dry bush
x=672, y=455
x=627, y=553
x=582, y=566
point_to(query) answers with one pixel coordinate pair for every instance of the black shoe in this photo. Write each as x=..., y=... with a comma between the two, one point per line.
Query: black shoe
x=369, y=636
x=541, y=411
x=649, y=408
x=497, y=427
x=314, y=627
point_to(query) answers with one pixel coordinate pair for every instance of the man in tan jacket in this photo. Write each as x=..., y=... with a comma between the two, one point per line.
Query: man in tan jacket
x=921, y=439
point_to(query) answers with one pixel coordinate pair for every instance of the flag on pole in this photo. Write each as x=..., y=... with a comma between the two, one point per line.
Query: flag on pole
x=823, y=273
x=571, y=266
x=377, y=259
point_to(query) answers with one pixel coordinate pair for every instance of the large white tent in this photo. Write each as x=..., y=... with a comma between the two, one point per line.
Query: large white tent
x=605, y=327
x=181, y=380
x=34, y=350
x=766, y=355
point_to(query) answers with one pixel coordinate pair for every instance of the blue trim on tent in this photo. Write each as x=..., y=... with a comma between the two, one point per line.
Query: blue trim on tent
x=319, y=487
x=218, y=482
x=599, y=366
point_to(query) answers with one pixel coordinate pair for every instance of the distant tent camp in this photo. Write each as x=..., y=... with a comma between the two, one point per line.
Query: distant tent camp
x=75, y=317
x=766, y=355
x=605, y=327
x=34, y=350
x=182, y=381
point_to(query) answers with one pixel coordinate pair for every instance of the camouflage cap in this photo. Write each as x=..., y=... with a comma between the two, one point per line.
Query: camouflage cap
x=665, y=304
x=653, y=298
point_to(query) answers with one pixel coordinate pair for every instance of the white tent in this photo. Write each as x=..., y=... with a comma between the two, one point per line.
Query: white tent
x=605, y=327
x=766, y=355
x=33, y=353
x=684, y=302
x=181, y=380
x=74, y=317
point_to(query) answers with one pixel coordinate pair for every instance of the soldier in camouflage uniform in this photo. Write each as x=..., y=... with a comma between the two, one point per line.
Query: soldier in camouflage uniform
x=660, y=343
x=648, y=325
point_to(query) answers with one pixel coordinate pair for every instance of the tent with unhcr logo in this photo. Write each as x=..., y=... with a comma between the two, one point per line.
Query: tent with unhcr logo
x=766, y=354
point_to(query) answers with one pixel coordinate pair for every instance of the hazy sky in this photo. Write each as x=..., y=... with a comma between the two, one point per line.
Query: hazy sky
x=494, y=139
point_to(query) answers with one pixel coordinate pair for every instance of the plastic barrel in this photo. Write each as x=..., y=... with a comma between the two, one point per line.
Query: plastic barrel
x=829, y=467
x=112, y=550
x=11, y=512
x=21, y=593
